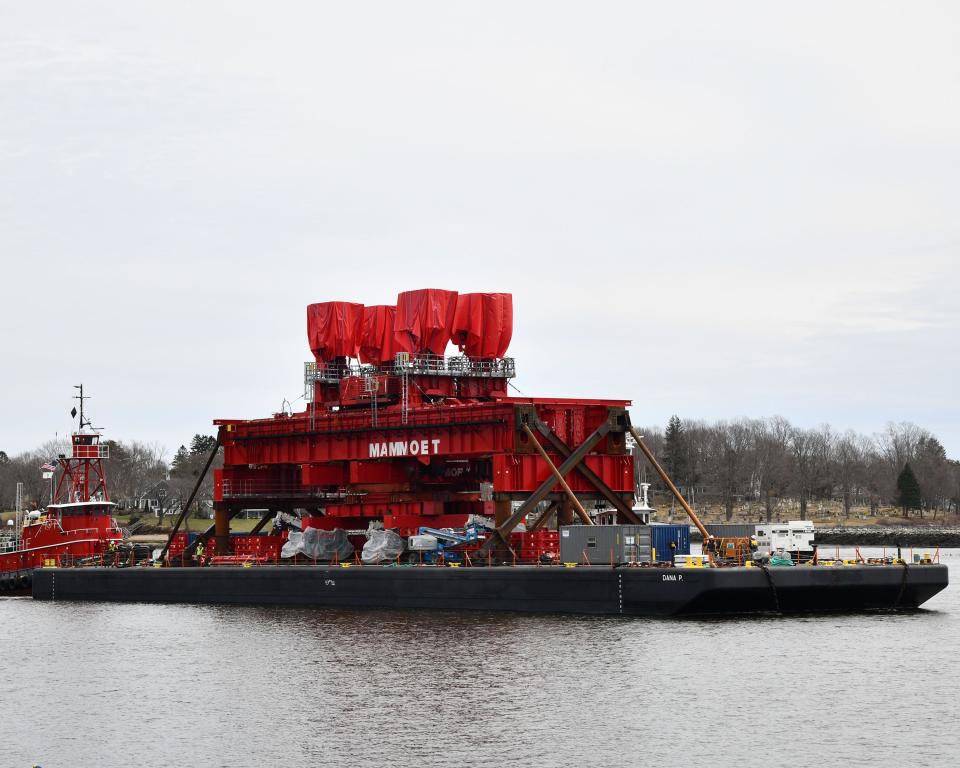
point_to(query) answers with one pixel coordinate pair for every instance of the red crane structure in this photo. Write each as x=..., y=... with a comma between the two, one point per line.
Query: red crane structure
x=397, y=432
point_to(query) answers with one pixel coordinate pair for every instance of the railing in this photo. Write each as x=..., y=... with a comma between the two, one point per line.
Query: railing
x=247, y=488
x=91, y=451
x=425, y=365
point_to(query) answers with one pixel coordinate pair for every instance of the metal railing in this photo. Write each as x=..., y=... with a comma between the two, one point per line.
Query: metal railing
x=250, y=488
x=96, y=451
x=413, y=365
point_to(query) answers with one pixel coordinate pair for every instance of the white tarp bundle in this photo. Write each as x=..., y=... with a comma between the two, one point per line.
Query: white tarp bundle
x=292, y=546
x=318, y=545
x=381, y=547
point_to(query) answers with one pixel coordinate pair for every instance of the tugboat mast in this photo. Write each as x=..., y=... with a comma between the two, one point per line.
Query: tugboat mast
x=81, y=398
x=83, y=475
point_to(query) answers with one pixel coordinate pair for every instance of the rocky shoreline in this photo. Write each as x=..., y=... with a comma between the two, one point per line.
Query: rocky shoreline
x=891, y=536
x=883, y=536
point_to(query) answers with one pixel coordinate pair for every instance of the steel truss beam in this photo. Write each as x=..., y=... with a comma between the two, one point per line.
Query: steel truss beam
x=193, y=493
x=545, y=516
x=581, y=512
x=502, y=532
x=270, y=514
x=707, y=538
x=592, y=477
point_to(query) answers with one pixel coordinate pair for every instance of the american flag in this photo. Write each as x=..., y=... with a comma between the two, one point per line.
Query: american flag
x=49, y=467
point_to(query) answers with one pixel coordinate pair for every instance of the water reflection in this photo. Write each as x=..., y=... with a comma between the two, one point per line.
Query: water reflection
x=263, y=686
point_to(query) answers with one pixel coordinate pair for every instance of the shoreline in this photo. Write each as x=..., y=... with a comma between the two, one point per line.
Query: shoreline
x=880, y=536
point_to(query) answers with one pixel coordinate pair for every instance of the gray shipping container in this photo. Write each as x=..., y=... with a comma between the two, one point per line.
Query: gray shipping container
x=730, y=530
x=595, y=544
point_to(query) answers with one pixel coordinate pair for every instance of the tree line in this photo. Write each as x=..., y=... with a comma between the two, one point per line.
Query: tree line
x=138, y=474
x=761, y=461
x=768, y=461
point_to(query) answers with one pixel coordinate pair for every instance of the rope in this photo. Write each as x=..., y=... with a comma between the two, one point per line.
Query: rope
x=512, y=385
x=903, y=584
x=773, y=588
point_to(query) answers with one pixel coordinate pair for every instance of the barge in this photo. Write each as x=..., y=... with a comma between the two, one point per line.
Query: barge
x=399, y=441
x=626, y=591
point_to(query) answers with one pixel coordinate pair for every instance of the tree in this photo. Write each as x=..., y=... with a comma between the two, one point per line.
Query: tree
x=728, y=450
x=202, y=444
x=909, y=495
x=933, y=473
x=801, y=451
x=181, y=462
x=774, y=450
x=187, y=466
x=676, y=454
x=848, y=461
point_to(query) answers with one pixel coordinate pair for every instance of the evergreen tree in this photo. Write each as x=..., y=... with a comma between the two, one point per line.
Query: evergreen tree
x=908, y=490
x=181, y=462
x=202, y=444
x=676, y=451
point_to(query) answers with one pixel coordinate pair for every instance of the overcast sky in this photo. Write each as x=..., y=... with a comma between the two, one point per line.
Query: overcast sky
x=713, y=209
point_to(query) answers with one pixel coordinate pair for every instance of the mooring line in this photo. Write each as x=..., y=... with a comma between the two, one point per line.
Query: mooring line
x=903, y=584
x=773, y=588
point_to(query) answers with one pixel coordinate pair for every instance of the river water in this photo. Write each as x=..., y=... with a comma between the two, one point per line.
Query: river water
x=101, y=684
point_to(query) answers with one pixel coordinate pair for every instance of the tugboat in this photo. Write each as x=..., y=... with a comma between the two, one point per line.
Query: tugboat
x=77, y=527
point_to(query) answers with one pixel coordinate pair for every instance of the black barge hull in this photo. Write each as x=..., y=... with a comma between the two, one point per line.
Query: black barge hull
x=587, y=590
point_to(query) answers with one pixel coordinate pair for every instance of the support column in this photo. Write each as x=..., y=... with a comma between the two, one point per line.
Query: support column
x=221, y=529
x=501, y=512
x=564, y=513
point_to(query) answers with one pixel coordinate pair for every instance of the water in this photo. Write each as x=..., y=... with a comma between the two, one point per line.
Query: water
x=126, y=685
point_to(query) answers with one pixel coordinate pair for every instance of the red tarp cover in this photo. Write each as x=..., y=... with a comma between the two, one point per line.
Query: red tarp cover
x=425, y=319
x=334, y=328
x=378, y=342
x=483, y=324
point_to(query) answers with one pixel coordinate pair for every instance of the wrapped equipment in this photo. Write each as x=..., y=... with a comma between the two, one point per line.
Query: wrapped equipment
x=381, y=547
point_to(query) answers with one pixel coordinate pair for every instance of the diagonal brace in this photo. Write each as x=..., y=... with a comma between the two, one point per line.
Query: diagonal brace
x=544, y=516
x=193, y=493
x=504, y=529
x=592, y=477
x=581, y=512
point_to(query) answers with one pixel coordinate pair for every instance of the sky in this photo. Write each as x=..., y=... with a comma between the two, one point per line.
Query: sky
x=712, y=209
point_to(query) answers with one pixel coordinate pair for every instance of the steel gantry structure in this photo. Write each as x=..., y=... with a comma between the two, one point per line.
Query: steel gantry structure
x=397, y=433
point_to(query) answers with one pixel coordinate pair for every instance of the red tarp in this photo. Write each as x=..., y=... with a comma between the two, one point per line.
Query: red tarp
x=334, y=328
x=425, y=320
x=483, y=324
x=378, y=342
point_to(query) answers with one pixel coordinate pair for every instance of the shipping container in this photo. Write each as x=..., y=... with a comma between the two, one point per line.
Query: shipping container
x=663, y=535
x=730, y=530
x=605, y=544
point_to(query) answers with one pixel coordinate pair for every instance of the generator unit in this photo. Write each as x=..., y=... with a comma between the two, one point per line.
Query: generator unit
x=795, y=538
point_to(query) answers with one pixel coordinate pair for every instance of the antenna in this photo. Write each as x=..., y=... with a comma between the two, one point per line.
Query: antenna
x=81, y=397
